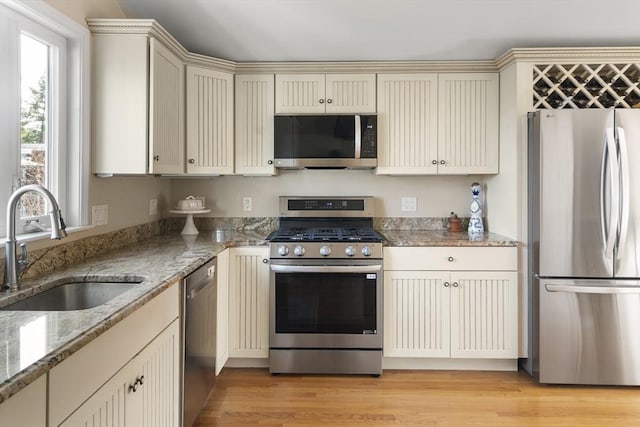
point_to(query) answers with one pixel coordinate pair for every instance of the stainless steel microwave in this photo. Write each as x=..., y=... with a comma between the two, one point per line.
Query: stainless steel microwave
x=325, y=142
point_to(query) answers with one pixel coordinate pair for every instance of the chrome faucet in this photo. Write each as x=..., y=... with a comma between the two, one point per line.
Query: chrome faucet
x=14, y=265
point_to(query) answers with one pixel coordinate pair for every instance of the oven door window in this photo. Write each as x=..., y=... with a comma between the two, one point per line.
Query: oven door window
x=325, y=303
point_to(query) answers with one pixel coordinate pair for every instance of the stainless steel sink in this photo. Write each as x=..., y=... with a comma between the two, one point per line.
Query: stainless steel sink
x=73, y=296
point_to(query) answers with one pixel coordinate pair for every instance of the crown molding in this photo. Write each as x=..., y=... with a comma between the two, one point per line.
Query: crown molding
x=152, y=28
x=569, y=54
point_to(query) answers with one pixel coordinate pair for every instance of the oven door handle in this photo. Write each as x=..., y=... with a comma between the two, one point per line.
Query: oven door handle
x=326, y=268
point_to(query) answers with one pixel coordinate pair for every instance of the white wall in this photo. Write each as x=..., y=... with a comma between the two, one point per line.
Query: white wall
x=436, y=195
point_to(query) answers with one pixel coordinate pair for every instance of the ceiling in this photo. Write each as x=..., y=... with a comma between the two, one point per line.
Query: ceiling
x=346, y=30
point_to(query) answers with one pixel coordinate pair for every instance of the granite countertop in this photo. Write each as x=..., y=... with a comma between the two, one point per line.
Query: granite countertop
x=54, y=336
x=160, y=261
x=421, y=238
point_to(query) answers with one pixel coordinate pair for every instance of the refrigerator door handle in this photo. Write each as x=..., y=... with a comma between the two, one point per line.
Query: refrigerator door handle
x=609, y=225
x=625, y=190
x=577, y=289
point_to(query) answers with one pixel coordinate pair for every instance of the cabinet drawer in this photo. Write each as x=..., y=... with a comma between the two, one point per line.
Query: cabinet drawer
x=80, y=375
x=450, y=258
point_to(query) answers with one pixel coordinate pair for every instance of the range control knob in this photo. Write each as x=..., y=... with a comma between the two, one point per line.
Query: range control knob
x=298, y=250
x=325, y=251
x=349, y=251
x=366, y=251
x=283, y=250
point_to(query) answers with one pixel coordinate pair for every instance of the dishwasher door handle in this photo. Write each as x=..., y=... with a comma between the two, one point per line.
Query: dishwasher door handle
x=577, y=289
x=196, y=289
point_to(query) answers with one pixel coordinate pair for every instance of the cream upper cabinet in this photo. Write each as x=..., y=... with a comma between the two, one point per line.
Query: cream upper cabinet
x=468, y=123
x=249, y=302
x=451, y=302
x=325, y=93
x=254, y=124
x=437, y=123
x=209, y=122
x=138, y=106
x=407, y=124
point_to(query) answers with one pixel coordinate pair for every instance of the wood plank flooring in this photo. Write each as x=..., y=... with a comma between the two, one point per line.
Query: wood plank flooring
x=245, y=397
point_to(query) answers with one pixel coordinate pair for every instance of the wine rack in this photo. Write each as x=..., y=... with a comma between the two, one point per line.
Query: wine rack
x=558, y=86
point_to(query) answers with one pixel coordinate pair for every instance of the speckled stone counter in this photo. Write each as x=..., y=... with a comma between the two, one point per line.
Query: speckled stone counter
x=54, y=336
x=420, y=238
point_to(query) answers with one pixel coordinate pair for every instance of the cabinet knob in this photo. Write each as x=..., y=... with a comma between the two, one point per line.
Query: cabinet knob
x=442, y=162
x=156, y=157
x=434, y=162
x=265, y=261
x=269, y=162
x=192, y=161
x=329, y=101
x=321, y=101
x=450, y=259
x=446, y=284
x=455, y=284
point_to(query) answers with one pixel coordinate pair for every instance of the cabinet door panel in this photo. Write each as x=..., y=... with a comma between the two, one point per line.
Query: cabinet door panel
x=300, y=93
x=483, y=314
x=222, y=310
x=166, y=115
x=254, y=125
x=209, y=122
x=468, y=123
x=350, y=93
x=407, y=124
x=249, y=302
x=416, y=315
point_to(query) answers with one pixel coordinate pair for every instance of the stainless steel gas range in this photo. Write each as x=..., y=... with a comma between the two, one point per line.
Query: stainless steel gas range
x=326, y=287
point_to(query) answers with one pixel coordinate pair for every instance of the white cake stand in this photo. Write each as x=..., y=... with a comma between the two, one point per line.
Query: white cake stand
x=189, y=226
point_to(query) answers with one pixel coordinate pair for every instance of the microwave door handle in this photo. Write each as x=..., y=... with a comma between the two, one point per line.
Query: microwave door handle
x=358, y=133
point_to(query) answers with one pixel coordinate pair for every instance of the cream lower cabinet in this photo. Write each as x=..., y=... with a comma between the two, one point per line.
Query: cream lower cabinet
x=128, y=376
x=144, y=393
x=437, y=124
x=28, y=407
x=434, y=311
x=249, y=302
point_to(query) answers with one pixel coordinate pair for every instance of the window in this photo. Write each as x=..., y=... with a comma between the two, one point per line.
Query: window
x=43, y=112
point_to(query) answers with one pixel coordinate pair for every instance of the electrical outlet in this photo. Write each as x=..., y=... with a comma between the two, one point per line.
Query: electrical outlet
x=100, y=215
x=246, y=204
x=409, y=204
x=153, y=207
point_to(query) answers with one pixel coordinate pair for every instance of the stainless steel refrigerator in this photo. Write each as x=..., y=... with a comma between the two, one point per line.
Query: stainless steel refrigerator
x=584, y=247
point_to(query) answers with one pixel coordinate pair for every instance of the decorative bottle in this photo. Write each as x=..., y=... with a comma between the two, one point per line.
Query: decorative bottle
x=475, y=222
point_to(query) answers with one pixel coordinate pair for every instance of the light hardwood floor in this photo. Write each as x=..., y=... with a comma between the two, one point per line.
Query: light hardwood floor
x=245, y=397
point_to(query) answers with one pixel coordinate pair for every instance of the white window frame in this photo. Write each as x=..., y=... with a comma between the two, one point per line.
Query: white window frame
x=72, y=161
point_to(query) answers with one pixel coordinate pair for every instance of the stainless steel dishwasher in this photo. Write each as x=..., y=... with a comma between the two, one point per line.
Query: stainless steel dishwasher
x=198, y=340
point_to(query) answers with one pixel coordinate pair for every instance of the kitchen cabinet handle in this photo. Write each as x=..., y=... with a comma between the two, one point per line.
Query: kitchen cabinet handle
x=133, y=387
x=269, y=162
x=446, y=284
x=140, y=380
x=321, y=101
x=329, y=101
x=192, y=161
x=434, y=162
x=442, y=162
x=450, y=259
x=265, y=261
x=455, y=284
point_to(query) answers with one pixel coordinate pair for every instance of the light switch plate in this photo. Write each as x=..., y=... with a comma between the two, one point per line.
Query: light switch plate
x=100, y=215
x=409, y=204
x=153, y=207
